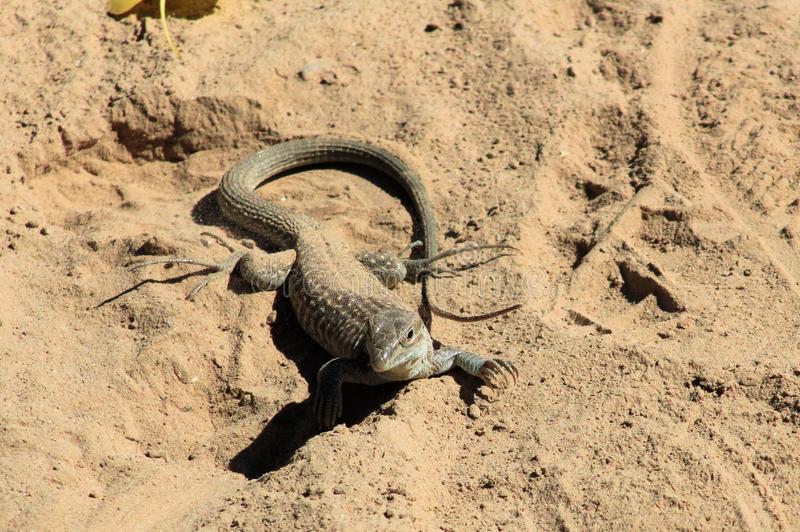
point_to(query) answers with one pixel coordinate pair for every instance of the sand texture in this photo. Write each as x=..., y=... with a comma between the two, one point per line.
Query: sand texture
x=644, y=157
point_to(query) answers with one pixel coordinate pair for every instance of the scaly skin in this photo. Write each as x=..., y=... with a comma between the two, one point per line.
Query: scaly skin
x=339, y=300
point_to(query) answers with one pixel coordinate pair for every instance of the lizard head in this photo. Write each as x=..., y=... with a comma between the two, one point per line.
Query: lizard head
x=398, y=344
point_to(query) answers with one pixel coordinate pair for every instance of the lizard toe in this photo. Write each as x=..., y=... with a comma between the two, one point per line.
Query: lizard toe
x=509, y=370
x=490, y=374
x=499, y=373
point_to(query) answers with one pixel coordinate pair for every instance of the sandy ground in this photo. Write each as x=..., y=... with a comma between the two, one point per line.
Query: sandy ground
x=643, y=156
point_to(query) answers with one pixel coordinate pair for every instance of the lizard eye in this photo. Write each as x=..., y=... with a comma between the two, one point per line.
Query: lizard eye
x=407, y=337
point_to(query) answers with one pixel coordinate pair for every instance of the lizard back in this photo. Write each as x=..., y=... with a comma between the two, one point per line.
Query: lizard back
x=332, y=293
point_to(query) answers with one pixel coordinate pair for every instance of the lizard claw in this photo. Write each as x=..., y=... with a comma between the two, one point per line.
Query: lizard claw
x=499, y=373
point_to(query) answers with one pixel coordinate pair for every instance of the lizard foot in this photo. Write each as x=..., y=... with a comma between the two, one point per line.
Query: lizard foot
x=419, y=267
x=328, y=401
x=215, y=269
x=327, y=407
x=499, y=373
x=495, y=372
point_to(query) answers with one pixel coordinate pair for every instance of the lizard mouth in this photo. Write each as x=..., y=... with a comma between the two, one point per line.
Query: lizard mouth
x=398, y=365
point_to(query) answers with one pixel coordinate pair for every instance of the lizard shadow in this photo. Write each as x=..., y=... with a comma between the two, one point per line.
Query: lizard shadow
x=294, y=424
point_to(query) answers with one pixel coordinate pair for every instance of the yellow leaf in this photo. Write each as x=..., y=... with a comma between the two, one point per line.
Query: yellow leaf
x=118, y=7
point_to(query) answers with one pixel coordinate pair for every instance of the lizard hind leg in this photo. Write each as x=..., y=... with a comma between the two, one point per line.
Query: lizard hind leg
x=215, y=269
x=391, y=270
x=264, y=271
x=417, y=268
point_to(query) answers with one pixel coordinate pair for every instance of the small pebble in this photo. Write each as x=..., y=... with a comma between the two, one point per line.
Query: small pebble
x=273, y=316
x=474, y=411
x=12, y=246
x=30, y=224
x=44, y=232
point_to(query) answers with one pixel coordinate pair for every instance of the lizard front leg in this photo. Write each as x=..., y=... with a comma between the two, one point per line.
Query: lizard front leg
x=496, y=372
x=328, y=402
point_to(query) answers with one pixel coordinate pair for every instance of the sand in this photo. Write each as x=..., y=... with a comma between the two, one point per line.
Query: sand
x=643, y=156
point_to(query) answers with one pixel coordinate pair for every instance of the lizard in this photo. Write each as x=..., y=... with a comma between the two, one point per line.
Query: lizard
x=344, y=301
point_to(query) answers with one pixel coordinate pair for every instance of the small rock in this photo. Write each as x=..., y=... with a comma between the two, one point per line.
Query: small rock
x=92, y=244
x=30, y=224
x=388, y=513
x=12, y=246
x=474, y=411
x=92, y=495
x=747, y=272
x=431, y=27
x=570, y=71
x=151, y=246
x=273, y=316
x=664, y=334
x=44, y=232
x=683, y=324
x=14, y=210
x=319, y=71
